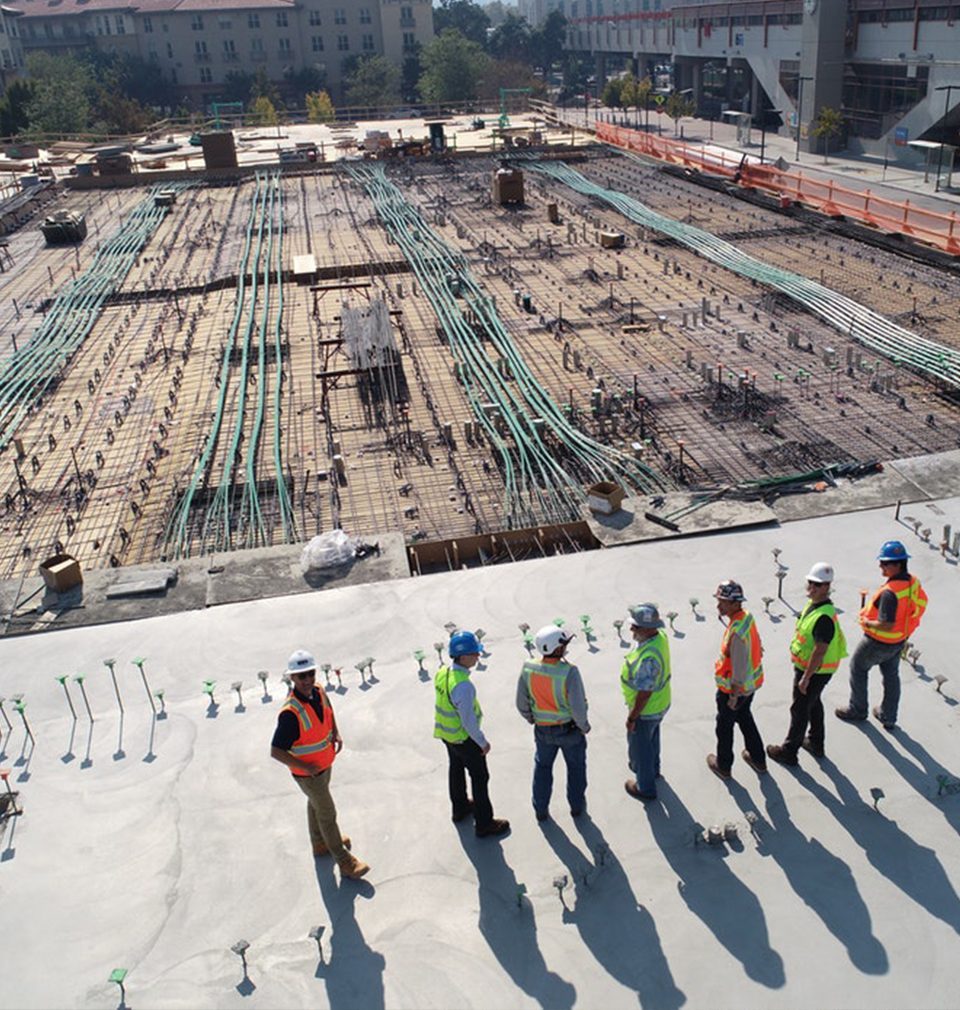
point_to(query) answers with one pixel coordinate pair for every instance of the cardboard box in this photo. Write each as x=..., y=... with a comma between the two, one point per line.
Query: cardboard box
x=61, y=572
x=605, y=498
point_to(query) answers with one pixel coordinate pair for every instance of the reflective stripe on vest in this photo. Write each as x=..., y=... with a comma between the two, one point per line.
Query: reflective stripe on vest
x=314, y=745
x=446, y=719
x=911, y=604
x=803, y=644
x=659, y=648
x=547, y=688
x=745, y=628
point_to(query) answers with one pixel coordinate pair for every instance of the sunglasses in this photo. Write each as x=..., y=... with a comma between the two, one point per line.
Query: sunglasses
x=305, y=675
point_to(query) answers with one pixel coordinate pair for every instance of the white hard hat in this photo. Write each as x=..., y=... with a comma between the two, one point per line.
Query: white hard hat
x=301, y=661
x=550, y=638
x=821, y=572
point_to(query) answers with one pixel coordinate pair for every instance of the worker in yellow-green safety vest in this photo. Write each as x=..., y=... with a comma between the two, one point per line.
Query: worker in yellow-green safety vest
x=738, y=673
x=645, y=681
x=456, y=721
x=817, y=647
x=550, y=695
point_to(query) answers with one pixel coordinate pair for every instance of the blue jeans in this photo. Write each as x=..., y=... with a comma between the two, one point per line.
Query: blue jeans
x=643, y=750
x=550, y=739
x=886, y=655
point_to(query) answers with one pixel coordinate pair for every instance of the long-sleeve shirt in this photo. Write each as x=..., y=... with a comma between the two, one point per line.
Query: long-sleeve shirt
x=462, y=697
x=576, y=699
x=739, y=663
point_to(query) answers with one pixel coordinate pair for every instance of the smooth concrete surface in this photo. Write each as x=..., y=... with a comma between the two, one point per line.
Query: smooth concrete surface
x=155, y=846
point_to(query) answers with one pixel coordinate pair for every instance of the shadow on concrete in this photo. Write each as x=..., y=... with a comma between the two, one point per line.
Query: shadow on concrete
x=511, y=931
x=911, y=867
x=619, y=932
x=354, y=972
x=819, y=878
x=725, y=905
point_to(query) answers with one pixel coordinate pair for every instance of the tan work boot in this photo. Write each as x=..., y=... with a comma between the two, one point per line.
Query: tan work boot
x=352, y=868
x=322, y=850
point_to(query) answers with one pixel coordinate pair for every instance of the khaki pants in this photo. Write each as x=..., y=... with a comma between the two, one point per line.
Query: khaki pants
x=322, y=813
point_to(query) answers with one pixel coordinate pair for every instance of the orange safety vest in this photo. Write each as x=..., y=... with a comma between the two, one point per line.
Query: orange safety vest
x=547, y=687
x=911, y=604
x=743, y=625
x=314, y=745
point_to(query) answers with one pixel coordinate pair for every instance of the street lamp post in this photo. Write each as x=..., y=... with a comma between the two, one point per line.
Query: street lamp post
x=800, y=112
x=946, y=109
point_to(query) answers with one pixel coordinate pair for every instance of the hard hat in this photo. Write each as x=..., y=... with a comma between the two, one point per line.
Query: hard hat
x=464, y=643
x=821, y=572
x=729, y=590
x=301, y=661
x=550, y=638
x=893, y=550
x=645, y=615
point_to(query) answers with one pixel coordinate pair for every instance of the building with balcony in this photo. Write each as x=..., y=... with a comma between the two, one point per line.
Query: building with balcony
x=197, y=43
x=11, y=51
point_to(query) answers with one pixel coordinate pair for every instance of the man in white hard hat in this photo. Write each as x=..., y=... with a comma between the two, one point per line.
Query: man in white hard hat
x=816, y=649
x=307, y=740
x=645, y=681
x=550, y=695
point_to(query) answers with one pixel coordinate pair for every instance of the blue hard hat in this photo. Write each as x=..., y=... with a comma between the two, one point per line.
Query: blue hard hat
x=893, y=550
x=464, y=643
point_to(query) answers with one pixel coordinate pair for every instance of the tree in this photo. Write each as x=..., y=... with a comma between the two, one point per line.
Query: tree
x=546, y=42
x=237, y=86
x=262, y=112
x=410, y=74
x=374, y=82
x=263, y=87
x=463, y=16
x=576, y=73
x=610, y=96
x=297, y=83
x=454, y=68
x=641, y=95
x=496, y=11
x=677, y=107
x=511, y=40
x=828, y=124
x=319, y=108
x=60, y=102
x=14, y=104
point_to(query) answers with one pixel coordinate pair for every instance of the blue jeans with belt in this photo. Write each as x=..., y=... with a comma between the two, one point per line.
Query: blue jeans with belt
x=568, y=739
x=643, y=751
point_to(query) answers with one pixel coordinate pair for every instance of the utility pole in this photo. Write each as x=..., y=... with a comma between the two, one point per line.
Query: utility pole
x=800, y=112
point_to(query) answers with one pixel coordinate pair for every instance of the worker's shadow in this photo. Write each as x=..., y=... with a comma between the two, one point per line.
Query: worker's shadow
x=725, y=905
x=819, y=878
x=911, y=867
x=619, y=932
x=353, y=973
x=511, y=931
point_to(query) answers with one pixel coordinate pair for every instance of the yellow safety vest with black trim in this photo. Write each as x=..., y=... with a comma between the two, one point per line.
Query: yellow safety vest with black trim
x=745, y=628
x=314, y=745
x=659, y=700
x=446, y=720
x=911, y=604
x=547, y=687
x=803, y=644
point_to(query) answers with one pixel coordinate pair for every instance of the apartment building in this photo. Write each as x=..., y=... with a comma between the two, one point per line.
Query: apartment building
x=197, y=43
x=11, y=52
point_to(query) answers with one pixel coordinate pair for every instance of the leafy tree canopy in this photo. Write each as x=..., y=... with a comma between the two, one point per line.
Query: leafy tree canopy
x=463, y=16
x=60, y=101
x=511, y=40
x=375, y=81
x=454, y=68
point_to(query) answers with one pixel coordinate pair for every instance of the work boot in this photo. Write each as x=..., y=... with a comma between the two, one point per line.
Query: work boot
x=781, y=754
x=322, y=850
x=634, y=790
x=352, y=868
x=807, y=745
x=848, y=715
x=759, y=769
x=497, y=826
x=714, y=765
x=885, y=723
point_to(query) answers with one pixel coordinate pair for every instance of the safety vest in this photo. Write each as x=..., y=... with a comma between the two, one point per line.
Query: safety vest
x=803, y=644
x=911, y=604
x=314, y=745
x=744, y=626
x=446, y=721
x=659, y=700
x=547, y=687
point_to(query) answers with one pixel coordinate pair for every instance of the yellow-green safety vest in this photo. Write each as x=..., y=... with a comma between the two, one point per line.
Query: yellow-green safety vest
x=803, y=644
x=659, y=700
x=547, y=687
x=446, y=721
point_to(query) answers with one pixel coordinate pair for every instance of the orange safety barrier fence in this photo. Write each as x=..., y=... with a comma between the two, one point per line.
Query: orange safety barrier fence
x=897, y=217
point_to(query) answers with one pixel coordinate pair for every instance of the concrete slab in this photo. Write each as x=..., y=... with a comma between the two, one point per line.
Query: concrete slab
x=156, y=845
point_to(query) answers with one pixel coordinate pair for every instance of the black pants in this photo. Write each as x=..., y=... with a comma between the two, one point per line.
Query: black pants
x=741, y=716
x=807, y=710
x=467, y=757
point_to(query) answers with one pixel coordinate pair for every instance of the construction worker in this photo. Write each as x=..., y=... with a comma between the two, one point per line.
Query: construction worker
x=738, y=673
x=550, y=695
x=457, y=723
x=307, y=740
x=645, y=681
x=888, y=621
x=817, y=647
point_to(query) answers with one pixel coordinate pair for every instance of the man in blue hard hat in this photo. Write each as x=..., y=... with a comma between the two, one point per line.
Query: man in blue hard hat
x=888, y=620
x=457, y=718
